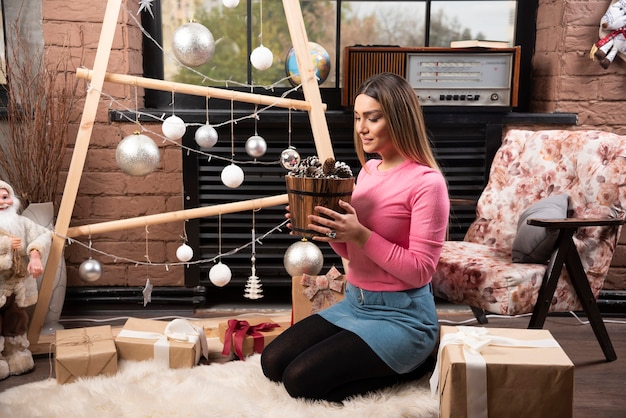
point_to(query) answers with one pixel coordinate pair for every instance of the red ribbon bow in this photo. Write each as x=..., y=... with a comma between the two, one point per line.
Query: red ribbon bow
x=242, y=328
x=319, y=289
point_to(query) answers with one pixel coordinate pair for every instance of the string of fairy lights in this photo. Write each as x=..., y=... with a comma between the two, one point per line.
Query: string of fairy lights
x=138, y=154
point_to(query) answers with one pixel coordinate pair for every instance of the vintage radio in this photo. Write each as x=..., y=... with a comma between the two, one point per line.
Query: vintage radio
x=440, y=76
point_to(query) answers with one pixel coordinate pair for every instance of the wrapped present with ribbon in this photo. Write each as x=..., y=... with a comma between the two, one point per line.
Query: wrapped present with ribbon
x=84, y=352
x=177, y=343
x=311, y=294
x=500, y=372
x=247, y=336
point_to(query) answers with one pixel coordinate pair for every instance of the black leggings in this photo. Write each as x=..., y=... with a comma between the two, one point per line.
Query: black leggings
x=318, y=360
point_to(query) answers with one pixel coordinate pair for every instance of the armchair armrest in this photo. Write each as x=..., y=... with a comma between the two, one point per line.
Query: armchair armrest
x=574, y=222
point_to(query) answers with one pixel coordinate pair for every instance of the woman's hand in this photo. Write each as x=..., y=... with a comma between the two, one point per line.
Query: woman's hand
x=338, y=227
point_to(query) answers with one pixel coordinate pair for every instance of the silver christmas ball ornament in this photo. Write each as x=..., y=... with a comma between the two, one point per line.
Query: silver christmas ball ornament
x=256, y=146
x=184, y=253
x=193, y=44
x=303, y=257
x=173, y=127
x=261, y=58
x=206, y=136
x=220, y=274
x=289, y=158
x=232, y=176
x=137, y=155
x=90, y=270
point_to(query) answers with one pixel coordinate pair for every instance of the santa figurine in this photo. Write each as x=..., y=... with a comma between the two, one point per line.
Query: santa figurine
x=23, y=244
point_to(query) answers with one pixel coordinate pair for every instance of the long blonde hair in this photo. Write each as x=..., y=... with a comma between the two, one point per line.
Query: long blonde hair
x=405, y=121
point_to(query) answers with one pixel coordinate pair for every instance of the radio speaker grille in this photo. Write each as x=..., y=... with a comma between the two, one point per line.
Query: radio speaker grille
x=362, y=63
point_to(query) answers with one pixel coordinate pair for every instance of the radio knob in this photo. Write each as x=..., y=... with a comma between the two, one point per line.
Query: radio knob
x=494, y=97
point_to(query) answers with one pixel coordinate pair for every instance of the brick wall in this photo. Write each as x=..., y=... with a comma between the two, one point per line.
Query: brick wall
x=105, y=193
x=565, y=79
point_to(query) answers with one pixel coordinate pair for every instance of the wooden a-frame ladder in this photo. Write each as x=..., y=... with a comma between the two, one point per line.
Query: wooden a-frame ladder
x=312, y=104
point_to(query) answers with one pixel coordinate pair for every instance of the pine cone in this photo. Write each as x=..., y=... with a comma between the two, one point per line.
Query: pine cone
x=329, y=167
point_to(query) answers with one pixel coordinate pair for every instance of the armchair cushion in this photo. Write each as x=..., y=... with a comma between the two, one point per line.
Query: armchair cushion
x=534, y=244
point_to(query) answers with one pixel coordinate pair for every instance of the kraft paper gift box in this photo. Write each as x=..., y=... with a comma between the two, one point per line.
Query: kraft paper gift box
x=177, y=343
x=245, y=336
x=500, y=372
x=84, y=352
x=311, y=294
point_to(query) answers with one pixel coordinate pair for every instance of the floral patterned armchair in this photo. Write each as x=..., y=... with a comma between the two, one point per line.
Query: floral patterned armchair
x=553, y=199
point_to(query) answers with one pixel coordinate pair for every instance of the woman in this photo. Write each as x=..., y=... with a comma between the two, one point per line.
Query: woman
x=392, y=233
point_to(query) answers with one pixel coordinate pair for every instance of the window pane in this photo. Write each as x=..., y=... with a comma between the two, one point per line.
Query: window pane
x=461, y=20
x=229, y=65
x=398, y=23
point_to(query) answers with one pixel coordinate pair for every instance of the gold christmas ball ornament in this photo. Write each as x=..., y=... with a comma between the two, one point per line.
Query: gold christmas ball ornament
x=90, y=270
x=137, y=155
x=303, y=257
x=193, y=44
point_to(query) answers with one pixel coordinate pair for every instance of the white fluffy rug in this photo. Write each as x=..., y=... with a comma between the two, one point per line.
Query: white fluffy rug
x=234, y=389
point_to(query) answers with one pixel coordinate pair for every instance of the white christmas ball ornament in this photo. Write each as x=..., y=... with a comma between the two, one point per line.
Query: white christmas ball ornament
x=193, y=44
x=220, y=274
x=303, y=257
x=90, y=270
x=206, y=136
x=261, y=58
x=137, y=155
x=232, y=176
x=184, y=253
x=173, y=127
x=256, y=146
x=230, y=3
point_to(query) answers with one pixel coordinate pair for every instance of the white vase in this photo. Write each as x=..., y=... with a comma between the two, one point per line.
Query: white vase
x=43, y=214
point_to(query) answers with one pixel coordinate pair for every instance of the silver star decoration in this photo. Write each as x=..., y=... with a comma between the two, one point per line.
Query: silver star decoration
x=147, y=293
x=145, y=5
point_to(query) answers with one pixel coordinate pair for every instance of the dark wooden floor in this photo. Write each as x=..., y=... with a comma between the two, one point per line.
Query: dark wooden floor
x=599, y=385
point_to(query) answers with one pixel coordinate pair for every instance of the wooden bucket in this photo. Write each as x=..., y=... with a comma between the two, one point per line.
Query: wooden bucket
x=305, y=193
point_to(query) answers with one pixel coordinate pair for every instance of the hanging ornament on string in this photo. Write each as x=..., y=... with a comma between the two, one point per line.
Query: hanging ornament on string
x=320, y=58
x=90, y=270
x=232, y=175
x=303, y=257
x=289, y=157
x=220, y=273
x=137, y=155
x=231, y=4
x=253, y=289
x=261, y=57
x=193, y=44
x=206, y=135
x=173, y=127
x=184, y=253
x=256, y=145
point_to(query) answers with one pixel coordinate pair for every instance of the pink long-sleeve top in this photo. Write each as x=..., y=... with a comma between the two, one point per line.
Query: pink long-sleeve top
x=407, y=209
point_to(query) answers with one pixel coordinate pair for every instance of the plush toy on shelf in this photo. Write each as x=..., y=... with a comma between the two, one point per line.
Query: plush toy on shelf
x=23, y=247
x=612, y=41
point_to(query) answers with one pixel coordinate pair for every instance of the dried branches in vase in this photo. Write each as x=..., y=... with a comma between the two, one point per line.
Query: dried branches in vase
x=41, y=90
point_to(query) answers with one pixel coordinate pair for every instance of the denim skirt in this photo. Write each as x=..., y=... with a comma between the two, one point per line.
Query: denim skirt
x=401, y=327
